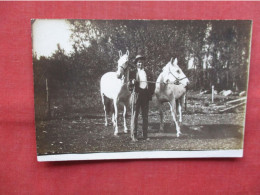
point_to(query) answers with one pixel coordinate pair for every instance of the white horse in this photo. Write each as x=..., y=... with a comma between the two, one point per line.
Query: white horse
x=113, y=86
x=171, y=87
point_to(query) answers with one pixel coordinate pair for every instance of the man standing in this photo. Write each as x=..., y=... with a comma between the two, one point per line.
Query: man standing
x=142, y=93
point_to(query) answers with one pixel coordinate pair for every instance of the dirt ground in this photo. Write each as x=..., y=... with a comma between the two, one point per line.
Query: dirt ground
x=83, y=133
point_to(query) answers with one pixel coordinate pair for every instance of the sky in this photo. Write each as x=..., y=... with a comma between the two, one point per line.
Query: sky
x=47, y=33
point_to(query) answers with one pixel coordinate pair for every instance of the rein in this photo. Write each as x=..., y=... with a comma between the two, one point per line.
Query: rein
x=175, y=82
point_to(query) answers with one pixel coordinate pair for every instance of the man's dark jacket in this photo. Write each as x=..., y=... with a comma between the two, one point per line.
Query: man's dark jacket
x=151, y=86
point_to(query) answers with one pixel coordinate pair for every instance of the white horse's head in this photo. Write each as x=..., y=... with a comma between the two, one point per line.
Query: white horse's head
x=176, y=73
x=122, y=64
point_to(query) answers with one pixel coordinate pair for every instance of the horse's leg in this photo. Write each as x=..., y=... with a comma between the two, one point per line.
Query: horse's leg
x=173, y=111
x=161, y=116
x=124, y=116
x=185, y=100
x=104, y=105
x=180, y=102
x=115, y=118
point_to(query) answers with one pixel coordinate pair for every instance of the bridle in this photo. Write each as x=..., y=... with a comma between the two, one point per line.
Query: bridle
x=122, y=66
x=177, y=81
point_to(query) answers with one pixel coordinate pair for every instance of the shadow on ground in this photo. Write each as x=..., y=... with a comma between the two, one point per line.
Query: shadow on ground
x=197, y=131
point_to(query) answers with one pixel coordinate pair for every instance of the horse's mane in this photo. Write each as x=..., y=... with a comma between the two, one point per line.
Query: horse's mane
x=165, y=73
x=161, y=79
x=166, y=68
x=122, y=59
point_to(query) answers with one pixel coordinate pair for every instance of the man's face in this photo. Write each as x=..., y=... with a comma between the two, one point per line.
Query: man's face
x=140, y=64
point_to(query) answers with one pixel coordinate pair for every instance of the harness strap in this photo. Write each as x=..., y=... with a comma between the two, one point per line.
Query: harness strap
x=123, y=67
x=176, y=77
x=175, y=82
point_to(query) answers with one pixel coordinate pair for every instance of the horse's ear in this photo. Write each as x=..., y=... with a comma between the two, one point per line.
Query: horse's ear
x=171, y=61
x=127, y=52
x=175, y=61
x=120, y=53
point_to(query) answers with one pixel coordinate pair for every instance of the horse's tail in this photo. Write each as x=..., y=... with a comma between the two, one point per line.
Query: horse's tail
x=107, y=103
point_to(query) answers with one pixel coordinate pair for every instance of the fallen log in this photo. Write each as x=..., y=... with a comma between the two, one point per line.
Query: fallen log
x=220, y=106
x=237, y=100
x=235, y=106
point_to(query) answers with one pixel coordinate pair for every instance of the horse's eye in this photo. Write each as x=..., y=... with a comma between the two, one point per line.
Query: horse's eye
x=178, y=71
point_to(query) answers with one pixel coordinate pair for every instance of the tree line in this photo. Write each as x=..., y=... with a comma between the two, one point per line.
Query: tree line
x=209, y=52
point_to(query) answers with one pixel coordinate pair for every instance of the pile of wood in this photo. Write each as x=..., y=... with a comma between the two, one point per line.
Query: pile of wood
x=234, y=104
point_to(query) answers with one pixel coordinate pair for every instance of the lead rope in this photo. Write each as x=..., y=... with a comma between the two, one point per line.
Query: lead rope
x=177, y=82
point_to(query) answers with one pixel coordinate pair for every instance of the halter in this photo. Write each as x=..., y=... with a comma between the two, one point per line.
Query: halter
x=125, y=78
x=124, y=62
x=177, y=81
x=124, y=68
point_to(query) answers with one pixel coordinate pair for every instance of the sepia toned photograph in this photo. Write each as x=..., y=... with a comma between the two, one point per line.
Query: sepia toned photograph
x=131, y=89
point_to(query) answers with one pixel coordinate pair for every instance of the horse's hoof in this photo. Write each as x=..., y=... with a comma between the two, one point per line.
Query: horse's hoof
x=162, y=127
x=178, y=134
x=134, y=140
x=126, y=131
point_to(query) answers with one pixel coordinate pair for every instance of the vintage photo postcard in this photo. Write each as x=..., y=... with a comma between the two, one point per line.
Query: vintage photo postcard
x=131, y=89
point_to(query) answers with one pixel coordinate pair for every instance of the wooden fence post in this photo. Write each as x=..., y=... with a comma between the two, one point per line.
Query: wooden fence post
x=212, y=94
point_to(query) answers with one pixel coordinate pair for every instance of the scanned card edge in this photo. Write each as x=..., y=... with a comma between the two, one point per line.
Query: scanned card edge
x=143, y=155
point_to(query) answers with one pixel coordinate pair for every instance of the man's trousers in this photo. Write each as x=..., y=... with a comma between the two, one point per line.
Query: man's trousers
x=141, y=103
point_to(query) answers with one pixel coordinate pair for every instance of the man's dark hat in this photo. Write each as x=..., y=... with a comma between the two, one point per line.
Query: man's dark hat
x=139, y=57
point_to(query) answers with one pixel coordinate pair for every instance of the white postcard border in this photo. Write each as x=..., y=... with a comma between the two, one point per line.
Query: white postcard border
x=143, y=155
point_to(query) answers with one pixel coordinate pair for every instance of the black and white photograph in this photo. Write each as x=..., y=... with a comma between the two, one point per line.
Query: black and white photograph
x=140, y=89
